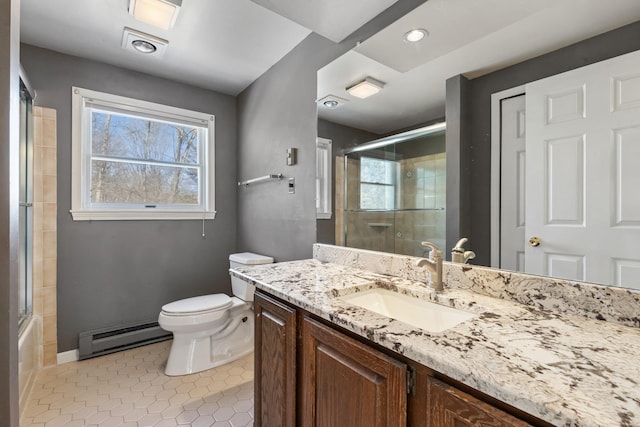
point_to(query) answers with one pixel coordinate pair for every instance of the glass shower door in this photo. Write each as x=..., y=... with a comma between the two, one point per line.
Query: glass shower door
x=26, y=204
x=395, y=193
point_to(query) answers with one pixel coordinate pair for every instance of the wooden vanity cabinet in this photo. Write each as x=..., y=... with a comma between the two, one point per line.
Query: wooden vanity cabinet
x=310, y=374
x=450, y=407
x=275, y=363
x=347, y=383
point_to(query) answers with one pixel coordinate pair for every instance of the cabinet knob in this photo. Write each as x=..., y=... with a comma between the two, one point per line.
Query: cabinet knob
x=534, y=242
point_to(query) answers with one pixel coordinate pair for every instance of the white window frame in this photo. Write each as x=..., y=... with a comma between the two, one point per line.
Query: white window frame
x=394, y=186
x=81, y=205
x=324, y=210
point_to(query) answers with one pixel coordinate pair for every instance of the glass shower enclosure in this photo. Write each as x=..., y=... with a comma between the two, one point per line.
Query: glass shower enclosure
x=26, y=204
x=395, y=192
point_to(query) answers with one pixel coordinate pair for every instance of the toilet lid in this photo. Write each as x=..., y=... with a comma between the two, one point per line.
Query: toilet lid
x=198, y=304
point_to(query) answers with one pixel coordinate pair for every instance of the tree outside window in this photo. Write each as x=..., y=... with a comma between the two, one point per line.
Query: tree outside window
x=377, y=184
x=132, y=156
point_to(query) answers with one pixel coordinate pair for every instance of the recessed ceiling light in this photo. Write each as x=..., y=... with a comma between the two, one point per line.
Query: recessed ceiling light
x=415, y=35
x=143, y=46
x=159, y=13
x=139, y=42
x=332, y=101
x=365, y=88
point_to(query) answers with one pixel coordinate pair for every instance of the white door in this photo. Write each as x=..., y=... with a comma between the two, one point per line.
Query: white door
x=583, y=173
x=512, y=187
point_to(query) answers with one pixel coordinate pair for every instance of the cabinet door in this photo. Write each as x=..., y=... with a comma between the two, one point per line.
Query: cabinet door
x=450, y=407
x=346, y=383
x=275, y=363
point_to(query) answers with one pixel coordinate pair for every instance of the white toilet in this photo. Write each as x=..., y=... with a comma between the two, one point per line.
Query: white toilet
x=212, y=330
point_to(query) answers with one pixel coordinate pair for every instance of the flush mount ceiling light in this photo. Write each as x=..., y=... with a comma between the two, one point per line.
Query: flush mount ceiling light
x=331, y=101
x=365, y=88
x=415, y=35
x=139, y=42
x=159, y=13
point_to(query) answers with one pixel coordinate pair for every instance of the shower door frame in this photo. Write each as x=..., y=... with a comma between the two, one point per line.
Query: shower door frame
x=26, y=203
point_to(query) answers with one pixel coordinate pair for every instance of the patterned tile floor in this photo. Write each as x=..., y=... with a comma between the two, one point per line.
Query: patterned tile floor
x=129, y=388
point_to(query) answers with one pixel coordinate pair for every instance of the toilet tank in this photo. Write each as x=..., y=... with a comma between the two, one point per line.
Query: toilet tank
x=240, y=288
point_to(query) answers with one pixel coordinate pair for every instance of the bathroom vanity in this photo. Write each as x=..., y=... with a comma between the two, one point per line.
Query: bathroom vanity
x=310, y=373
x=512, y=364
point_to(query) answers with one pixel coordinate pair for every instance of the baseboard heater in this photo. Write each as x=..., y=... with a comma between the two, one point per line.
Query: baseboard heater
x=103, y=341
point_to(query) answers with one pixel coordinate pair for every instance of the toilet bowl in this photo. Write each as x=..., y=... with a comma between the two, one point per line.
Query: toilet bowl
x=211, y=330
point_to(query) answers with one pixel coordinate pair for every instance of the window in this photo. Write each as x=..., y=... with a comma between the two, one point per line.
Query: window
x=323, y=178
x=377, y=183
x=139, y=160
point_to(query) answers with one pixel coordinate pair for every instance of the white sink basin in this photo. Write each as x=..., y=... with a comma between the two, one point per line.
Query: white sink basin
x=416, y=312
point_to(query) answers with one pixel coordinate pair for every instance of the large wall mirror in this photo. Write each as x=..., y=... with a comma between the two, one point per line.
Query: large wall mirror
x=391, y=191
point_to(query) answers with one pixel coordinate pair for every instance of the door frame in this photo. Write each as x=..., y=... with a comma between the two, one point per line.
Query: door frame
x=496, y=151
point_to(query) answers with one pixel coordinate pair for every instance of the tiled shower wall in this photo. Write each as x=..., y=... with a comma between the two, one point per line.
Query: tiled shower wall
x=37, y=344
x=421, y=215
x=423, y=202
x=44, y=229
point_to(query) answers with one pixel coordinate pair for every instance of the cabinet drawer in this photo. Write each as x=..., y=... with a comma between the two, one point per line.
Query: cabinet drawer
x=450, y=407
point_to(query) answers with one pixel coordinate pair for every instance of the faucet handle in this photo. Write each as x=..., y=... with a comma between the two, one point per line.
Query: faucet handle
x=435, y=252
x=458, y=247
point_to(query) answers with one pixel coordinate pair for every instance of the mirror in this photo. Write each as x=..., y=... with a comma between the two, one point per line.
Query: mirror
x=472, y=59
x=394, y=192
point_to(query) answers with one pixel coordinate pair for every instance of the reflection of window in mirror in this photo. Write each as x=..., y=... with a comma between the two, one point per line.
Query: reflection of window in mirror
x=377, y=184
x=323, y=178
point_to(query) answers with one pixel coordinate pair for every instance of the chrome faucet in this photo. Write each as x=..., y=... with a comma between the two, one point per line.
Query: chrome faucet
x=434, y=265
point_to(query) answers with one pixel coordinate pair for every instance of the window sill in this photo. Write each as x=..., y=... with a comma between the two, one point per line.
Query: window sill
x=138, y=215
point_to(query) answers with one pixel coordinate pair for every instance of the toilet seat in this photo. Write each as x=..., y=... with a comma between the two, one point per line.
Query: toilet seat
x=197, y=305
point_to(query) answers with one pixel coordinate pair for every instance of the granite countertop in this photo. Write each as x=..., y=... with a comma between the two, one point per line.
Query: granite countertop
x=565, y=369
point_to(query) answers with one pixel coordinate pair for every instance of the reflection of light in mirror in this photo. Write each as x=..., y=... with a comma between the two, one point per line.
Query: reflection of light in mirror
x=332, y=101
x=415, y=35
x=383, y=142
x=365, y=88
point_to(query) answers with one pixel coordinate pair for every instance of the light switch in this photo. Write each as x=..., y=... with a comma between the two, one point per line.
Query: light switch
x=292, y=185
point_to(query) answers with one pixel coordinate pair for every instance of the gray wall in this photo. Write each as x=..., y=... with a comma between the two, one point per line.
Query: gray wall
x=276, y=112
x=458, y=168
x=113, y=272
x=9, y=143
x=342, y=137
x=475, y=132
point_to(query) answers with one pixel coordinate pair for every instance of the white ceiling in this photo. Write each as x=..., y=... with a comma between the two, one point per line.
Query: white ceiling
x=333, y=19
x=464, y=39
x=223, y=45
